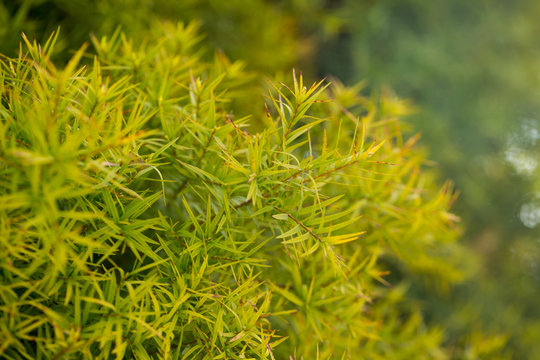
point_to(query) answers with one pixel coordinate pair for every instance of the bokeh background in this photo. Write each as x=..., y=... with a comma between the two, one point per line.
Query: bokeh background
x=472, y=71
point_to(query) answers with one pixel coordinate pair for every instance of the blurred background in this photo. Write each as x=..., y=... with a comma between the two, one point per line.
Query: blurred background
x=472, y=70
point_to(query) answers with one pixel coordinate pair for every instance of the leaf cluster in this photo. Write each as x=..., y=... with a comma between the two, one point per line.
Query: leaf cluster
x=142, y=217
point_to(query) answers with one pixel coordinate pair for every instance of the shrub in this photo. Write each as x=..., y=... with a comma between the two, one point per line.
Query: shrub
x=142, y=217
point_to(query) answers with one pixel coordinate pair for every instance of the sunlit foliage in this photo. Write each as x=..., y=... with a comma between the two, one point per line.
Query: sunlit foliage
x=142, y=217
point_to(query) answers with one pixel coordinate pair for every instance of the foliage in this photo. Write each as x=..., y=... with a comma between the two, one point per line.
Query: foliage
x=261, y=32
x=142, y=217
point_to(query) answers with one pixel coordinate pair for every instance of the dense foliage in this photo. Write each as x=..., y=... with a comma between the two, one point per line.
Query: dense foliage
x=263, y=33
x=142, y=217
